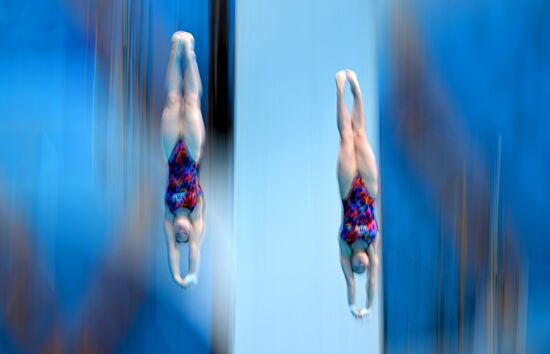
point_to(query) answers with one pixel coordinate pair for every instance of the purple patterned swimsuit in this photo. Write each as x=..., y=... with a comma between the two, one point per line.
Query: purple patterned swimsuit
x=183, y=190
x=359, y=221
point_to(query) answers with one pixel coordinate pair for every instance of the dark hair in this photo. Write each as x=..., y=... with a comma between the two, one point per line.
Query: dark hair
x=356, y=254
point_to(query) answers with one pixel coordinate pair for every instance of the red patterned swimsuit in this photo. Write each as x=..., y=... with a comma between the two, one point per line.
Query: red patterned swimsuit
x=183, y=190
x=359, y=221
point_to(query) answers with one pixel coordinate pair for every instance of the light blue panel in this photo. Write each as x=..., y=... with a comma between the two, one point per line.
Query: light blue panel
x=290, y=291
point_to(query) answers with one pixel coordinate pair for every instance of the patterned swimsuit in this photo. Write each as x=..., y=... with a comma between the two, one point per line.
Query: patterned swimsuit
x=183, y=190
x=359, y=221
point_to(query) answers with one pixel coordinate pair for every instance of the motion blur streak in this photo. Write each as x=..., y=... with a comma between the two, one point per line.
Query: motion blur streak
x=451, y=180
x=27, y=299
x=118, y=291
x=219, y=146
x=82, y=253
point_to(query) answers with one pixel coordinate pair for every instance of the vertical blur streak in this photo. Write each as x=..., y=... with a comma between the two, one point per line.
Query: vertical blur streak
x=28, y=302
x=493, y=258
x=122, y=115
x=133, y=43
x=82, y=255
x=134, y=70
x=118, y=291
x=431, y=157
x=220, y=152
x=463, y=255
x=123, y=134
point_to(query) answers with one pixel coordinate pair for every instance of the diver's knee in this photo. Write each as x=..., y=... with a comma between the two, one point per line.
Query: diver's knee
x=173, y=100
x=359, y=133
x=346, y=135
x=191, y=100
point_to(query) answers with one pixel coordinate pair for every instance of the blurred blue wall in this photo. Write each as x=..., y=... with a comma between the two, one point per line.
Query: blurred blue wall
x=83, y=259
x=455, y=77
x=290, y=291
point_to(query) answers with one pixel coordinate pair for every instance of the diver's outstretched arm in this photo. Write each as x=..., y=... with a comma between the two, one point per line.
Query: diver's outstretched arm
x=372, y=281
x=345, y=262
x=194, y=257
x=350, y=280
x=191, y=279
x=195, y=240
x=173, y=251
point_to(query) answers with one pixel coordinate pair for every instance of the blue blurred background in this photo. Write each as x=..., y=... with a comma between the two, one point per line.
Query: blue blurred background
x=82, y=253
x=457, y=101
x=464, y=108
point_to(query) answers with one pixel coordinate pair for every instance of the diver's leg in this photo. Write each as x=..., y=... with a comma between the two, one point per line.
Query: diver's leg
x=347, y=166
x=193, y=124
x=366, y=161
x=171, y=122
x=357, y=114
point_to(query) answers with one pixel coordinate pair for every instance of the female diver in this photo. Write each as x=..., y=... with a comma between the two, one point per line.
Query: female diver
x=182, y=138
x=358, y=182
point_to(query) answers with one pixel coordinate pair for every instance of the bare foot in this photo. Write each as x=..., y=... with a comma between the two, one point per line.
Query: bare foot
x=185, y=39
x=353, y=82
x=340, y=80
x=176, y=44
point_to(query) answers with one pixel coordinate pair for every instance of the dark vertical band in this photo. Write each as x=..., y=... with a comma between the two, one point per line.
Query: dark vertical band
x=220, y=148
x=220, y=113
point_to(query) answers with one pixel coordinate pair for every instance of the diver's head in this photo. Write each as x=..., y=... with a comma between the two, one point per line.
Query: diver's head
x=359, y=261
x=182, y=228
